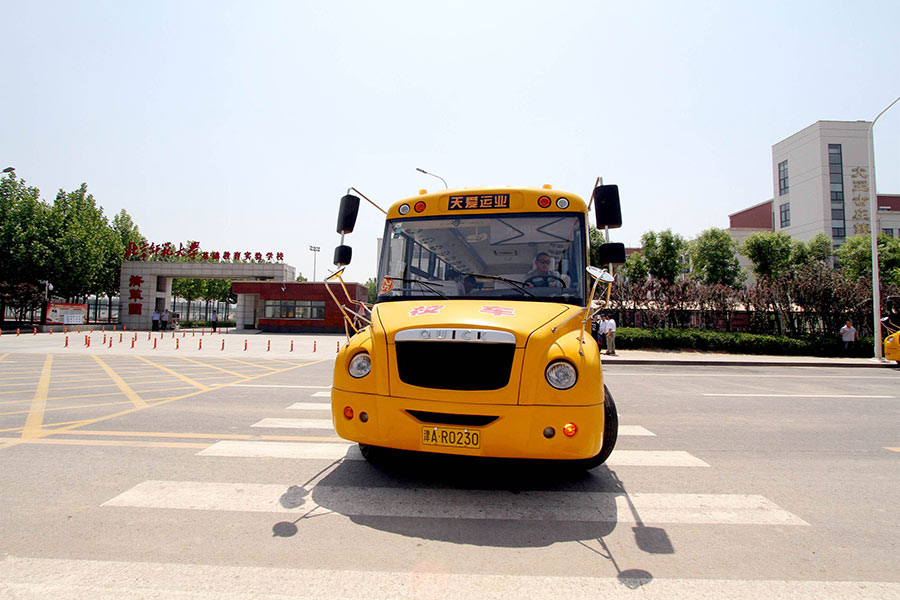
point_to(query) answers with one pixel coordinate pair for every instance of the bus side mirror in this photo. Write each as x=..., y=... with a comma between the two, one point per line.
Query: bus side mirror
x=606, y=207
x=611, y=253
x=342, y=256
x=347, y=214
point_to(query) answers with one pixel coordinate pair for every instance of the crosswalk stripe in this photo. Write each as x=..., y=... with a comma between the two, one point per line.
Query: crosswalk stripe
x=40, y=578
x=606, y=507
x=295, y=423
x=310, y=406
x=322, y=395
x=635, y=430
x=336, y=450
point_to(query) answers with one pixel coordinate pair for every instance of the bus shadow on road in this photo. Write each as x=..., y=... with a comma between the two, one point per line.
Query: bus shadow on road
x=484, y=502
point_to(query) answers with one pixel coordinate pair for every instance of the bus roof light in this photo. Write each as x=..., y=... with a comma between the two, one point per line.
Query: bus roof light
x=419, y=207
x=544, y=202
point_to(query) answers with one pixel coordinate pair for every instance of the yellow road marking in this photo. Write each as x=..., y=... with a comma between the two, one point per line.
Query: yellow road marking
x=178, y=375
x=203, y=436
x=46, y=410
x=16, y=441
x=71, y=387
x=120, y=383
x=197, y=362
x=120, y=443
x=2, y=356
x=250, y=364
x=36, y=413
x=893, y=449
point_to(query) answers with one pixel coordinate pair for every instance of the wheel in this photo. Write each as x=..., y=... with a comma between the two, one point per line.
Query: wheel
x=373, y=454
x=610, y=433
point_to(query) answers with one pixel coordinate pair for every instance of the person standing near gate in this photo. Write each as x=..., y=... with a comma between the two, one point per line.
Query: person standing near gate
x=610, y=335
x=848, y=335
x=154, y=320
x=164, y=319
x=214, y=320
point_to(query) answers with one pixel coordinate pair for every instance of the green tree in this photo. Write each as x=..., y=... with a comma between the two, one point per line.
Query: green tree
x=855, y=257
x=714, y=260
x=636, y=268
x=373, y=289
x=664, y=253
x=301, y=278
x=769, y=252
x=24, y=239
x=190, y=290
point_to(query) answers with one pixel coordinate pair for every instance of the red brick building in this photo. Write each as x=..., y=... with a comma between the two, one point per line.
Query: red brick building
x=289, y=307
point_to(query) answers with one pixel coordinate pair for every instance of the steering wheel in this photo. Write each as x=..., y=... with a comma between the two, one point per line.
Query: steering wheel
x=534, y=280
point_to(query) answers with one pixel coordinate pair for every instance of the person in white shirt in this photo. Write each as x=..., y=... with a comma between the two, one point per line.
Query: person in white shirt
x=848, y=336
x=610, y=332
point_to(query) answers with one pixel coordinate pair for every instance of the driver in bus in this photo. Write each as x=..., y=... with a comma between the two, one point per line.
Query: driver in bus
x=542, y=275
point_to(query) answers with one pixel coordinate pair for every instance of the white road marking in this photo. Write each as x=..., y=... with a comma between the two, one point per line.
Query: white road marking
x=606, y=507
x=737, y=375
x=322, y=395
x=306, y=450
x=275, y=423
x=336, y=450
x=310, y=406
x=635, y=430
x=765, y=395
x=41, y=578
x=300, y=387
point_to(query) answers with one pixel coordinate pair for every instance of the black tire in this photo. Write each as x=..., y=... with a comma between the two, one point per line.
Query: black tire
x=610, y=434
x=373, y=454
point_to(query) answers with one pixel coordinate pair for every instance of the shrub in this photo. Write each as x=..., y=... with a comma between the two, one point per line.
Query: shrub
x=736, y=343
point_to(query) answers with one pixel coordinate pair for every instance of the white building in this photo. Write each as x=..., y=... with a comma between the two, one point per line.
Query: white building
x=820, y=184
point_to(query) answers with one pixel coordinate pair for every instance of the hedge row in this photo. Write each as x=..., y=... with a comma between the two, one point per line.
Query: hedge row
x=736, y=343
x=206, y=324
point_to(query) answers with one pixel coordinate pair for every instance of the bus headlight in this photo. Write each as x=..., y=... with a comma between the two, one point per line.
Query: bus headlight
x=360, y=365
x=561, y=375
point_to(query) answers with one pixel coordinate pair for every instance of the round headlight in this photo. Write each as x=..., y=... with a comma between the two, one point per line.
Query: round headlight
x=360, y=365
x=561, y=375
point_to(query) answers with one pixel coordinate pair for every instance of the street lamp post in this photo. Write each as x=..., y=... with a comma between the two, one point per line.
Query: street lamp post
x=315, y=251
x=873, y=226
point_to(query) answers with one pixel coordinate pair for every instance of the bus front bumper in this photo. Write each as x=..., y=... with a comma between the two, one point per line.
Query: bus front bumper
x=517, y=431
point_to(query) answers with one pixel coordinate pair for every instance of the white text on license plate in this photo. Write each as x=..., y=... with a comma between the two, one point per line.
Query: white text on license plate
x=452, y=438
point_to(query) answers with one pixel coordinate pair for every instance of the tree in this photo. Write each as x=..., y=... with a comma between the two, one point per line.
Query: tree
x=190, y=290
x=855, y=257
x=24, y=240
x=769, y=252
x=664, y=253
x=714, y=260
x=301, y=278
x=636, y=268
x=373, y=290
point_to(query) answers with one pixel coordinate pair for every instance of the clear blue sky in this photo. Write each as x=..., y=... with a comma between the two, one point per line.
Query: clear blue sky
x=241, y=124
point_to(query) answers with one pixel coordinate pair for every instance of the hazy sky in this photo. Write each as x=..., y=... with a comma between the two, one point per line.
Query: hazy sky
x=241, y=125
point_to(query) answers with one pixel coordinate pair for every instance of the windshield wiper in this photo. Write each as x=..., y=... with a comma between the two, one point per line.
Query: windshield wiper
x=519, y=284
x=429, y=285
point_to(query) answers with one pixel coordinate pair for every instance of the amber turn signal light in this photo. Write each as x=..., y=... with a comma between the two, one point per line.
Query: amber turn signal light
x=570, y=429
x=348, y=412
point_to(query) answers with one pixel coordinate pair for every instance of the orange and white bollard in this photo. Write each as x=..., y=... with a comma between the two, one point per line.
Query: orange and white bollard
x=114, y=327
x=176, y=343
x=193, y=332
x=269, y=346
x=88, y=341
x=223, y=344
x=148, y=336
x=154, y=343
x=104, y=339
x=120, y=337
x=79, y=329
x=65, y=329
x=338, y=348
x=110, y=341
x=245, y=345
x=314, y=345
x=67, y=342
x=17, y=332
x=35, y=331
x=103, y=329
x=200, y=345
x=51, y=330
x=292, y=345
x=132, y=342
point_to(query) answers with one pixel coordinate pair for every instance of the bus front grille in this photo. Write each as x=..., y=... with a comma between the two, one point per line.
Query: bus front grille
x=455, y=365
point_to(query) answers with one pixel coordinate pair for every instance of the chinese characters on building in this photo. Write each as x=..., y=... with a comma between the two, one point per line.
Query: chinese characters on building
x=134, y=293
x=168, y=251
x=859, y=177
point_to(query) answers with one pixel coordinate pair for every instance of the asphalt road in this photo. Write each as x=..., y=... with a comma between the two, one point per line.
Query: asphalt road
x=167, y=476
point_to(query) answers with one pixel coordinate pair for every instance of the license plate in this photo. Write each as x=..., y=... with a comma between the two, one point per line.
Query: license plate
x=451, y=437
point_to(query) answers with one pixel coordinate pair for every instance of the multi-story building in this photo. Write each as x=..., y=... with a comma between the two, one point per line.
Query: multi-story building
x=820, y=181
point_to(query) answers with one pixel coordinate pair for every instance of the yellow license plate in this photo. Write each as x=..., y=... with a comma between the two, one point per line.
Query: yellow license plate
x=451, y=437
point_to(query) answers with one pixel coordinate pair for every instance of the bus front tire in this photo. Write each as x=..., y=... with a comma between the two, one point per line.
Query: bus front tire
x=610, y=434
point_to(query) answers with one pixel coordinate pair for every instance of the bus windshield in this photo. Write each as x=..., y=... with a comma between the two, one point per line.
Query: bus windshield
x=533, y=257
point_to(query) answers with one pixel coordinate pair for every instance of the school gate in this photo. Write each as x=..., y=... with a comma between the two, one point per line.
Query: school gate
x=147, y=285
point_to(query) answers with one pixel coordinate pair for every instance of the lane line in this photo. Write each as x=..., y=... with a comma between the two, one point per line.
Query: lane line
x=235, y=373
x=116, y=443
x=604, y=507
x=14, y=442
x=750, y=376
x=120, y=383
x=299, y=387
x=764, y=395
x=322, y=395
x=184, y=378
x=892, y=449
x=47, y=410
x=243, y=362
x=35, y=417
x=40, y=578
x=310, y=406
x=278, y=423
x=200, y=436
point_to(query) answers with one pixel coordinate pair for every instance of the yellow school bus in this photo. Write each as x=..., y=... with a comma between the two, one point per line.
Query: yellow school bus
x=479, y=341
x=891, y=323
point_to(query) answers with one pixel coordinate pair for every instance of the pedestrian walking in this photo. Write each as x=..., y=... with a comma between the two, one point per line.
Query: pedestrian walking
x=610, y=333
x=849, y=336
x=214, y=320
x=164, y=319
x=154, y=320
